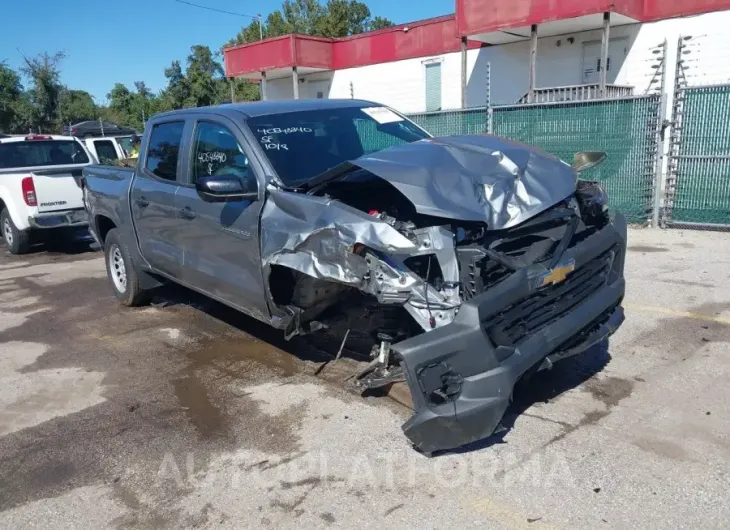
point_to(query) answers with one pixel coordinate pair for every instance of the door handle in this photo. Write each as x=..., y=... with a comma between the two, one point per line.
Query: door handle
x=142, y=202
x=187, y=213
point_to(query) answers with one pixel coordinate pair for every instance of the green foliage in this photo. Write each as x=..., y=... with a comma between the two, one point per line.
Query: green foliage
x=44, y=74
x=336, y=18
x=75, y=106
x=46, y=105
x=204, y=76
x=10, y=94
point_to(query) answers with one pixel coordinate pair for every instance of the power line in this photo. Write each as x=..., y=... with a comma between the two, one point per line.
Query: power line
x=257, y=17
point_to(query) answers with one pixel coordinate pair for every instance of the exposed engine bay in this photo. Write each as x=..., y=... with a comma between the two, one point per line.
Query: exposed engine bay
x=386, y=296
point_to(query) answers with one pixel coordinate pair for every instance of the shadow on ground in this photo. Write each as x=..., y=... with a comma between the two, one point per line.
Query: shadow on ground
x=300, y=347
x=541, y=387
x=61, y=242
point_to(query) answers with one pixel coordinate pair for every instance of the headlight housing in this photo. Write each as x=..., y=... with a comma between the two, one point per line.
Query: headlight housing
x=593, y=202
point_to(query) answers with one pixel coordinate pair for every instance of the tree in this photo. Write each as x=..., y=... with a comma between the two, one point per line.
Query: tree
x=336, y=18
x=344, y=17
x=10, y=93
x=303, y=16
x=178, y=89
x=44, y=74
x=380, y=23
x=204, y=75
x=75, y=106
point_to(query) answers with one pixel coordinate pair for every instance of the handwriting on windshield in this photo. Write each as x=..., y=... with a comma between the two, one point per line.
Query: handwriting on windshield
x=285, y=130
x=271, y=146
x=272, y=143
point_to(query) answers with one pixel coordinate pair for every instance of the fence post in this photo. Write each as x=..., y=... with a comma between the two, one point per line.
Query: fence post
x=490, y=112
x=659, y=169
x=676, y=132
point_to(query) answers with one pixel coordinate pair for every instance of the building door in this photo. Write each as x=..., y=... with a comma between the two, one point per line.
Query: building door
x=318, y=89
x=591, y=72
x=433, y=86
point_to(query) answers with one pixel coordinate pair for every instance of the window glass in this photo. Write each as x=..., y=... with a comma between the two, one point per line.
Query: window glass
x=35, y=153
x=303, y=144
x=373, y=140
x=105, y=150
x=164, y=149
x=125, y=142
x=217, y=152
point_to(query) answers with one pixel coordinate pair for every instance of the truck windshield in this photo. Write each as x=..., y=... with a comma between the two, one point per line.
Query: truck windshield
x=38, y=153
x=303, y=144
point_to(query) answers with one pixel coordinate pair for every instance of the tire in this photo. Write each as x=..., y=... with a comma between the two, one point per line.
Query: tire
x=122, y=271
x=18, y=241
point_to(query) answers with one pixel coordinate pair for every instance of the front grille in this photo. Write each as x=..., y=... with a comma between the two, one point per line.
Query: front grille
x=517, y=322
x=534, y=241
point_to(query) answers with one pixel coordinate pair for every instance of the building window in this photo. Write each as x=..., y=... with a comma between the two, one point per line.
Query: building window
x=433, y=86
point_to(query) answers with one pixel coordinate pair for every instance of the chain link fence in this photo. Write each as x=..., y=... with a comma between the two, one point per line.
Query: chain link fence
x=627, y=129
x=697, y=192
x=453, y=122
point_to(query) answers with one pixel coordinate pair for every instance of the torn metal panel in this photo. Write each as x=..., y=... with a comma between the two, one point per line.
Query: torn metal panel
x=315, y=236
x=474, y=178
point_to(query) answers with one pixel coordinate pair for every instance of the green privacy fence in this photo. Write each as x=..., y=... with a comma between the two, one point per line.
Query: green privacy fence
x=626, y=129
x=449, y=123
x=698, y=190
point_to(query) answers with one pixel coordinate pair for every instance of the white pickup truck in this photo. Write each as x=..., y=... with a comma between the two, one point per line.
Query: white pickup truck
x=38, y=189
x=108, y=149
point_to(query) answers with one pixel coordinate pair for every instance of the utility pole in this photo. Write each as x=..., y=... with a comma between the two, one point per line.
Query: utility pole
x=261, y=27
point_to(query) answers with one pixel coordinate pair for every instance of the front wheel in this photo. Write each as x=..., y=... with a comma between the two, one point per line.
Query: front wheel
x=18, y=241
x=122, y=271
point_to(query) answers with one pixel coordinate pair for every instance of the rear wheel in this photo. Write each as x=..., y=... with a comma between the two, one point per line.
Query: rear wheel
x=18, y=241
x=122, y=271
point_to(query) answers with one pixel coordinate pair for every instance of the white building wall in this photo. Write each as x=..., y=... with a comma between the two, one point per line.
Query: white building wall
x=401, y=84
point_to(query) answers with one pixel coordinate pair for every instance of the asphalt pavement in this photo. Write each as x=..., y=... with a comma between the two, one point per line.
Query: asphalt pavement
x=185, y=413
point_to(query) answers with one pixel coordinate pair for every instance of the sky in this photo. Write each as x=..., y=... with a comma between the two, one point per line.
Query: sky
x=135, y=40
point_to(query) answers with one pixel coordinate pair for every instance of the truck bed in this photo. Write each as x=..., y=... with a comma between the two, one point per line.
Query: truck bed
x=106, y=192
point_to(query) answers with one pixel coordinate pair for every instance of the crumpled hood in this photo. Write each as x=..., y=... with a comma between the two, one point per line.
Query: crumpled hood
x=474, y=178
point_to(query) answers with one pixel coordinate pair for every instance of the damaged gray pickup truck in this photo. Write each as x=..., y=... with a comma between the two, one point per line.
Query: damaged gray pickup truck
x=456, y=264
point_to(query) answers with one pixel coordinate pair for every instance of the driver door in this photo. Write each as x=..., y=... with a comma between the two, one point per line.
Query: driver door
x=221, y=255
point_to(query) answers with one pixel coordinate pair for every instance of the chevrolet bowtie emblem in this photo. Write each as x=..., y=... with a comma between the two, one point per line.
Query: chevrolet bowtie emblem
x=558, y=274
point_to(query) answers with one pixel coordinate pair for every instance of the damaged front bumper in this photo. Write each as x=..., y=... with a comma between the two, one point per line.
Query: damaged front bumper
x=461, y=375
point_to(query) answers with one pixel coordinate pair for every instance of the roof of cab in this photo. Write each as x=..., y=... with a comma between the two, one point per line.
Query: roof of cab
x=263, y=108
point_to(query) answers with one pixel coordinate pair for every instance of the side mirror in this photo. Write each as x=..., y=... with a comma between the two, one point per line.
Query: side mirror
x=587, y=160
x=226, y=188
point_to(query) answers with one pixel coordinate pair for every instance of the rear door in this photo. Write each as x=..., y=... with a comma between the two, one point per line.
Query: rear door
x=153, y=198
x=221, y=239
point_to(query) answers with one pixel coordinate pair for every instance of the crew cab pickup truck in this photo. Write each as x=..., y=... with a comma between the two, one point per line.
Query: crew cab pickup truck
x=38, y=190
x=456, y=264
